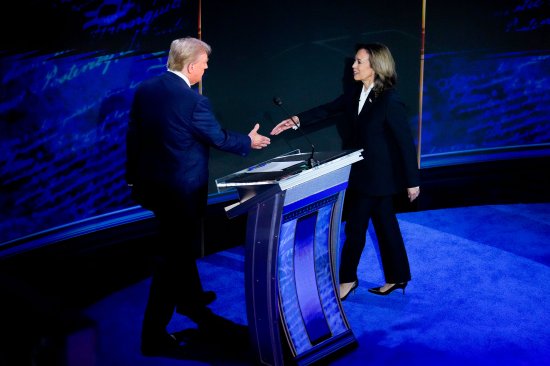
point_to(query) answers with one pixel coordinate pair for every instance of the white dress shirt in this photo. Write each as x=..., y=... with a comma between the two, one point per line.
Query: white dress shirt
x=363, y=97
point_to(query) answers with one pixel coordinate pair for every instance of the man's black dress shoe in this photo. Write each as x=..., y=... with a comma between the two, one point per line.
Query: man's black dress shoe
x=207, y=298
x=159, y=344
x=217, y=328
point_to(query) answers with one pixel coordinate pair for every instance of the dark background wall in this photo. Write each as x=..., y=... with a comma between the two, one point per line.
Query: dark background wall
x=66, y=90
x=300, y=52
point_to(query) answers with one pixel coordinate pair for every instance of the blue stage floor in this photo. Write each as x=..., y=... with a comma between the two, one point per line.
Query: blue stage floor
x=480, y=295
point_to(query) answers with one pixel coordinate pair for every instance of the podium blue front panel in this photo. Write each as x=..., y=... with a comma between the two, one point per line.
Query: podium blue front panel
x=309, y=308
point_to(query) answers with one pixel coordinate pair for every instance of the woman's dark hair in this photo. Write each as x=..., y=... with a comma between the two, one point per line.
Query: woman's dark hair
x=383, y=64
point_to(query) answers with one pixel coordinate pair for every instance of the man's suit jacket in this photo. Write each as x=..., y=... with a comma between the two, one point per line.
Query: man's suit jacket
x=382, y=131
x=170, y=132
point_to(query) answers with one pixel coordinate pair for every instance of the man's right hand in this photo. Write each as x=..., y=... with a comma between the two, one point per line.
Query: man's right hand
x=258, y=141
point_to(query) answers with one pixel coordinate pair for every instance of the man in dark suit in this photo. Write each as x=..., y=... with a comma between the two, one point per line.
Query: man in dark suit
x=171, y=130
x=375, y=120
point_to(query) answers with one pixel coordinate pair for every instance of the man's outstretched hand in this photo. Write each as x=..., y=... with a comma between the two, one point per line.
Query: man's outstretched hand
x=258, y=141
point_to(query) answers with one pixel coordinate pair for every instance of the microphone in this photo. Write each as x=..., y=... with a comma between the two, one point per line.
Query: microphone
x=311, y=162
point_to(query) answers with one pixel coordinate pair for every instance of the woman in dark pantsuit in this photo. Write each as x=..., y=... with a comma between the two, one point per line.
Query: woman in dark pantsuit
x=375, y=120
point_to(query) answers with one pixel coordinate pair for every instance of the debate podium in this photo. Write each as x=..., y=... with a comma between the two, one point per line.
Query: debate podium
x=291, y=254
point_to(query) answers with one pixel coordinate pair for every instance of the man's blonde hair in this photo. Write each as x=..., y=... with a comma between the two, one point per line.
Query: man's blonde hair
x=184, y=51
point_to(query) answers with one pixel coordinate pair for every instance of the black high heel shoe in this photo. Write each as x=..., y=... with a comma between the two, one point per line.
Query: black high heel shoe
x=395, y=286
x=347, y=288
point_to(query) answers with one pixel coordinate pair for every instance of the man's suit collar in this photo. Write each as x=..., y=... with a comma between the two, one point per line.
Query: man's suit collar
x=181, y=75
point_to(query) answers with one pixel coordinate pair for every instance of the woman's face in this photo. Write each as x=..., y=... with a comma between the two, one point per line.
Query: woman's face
x=361, y=68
